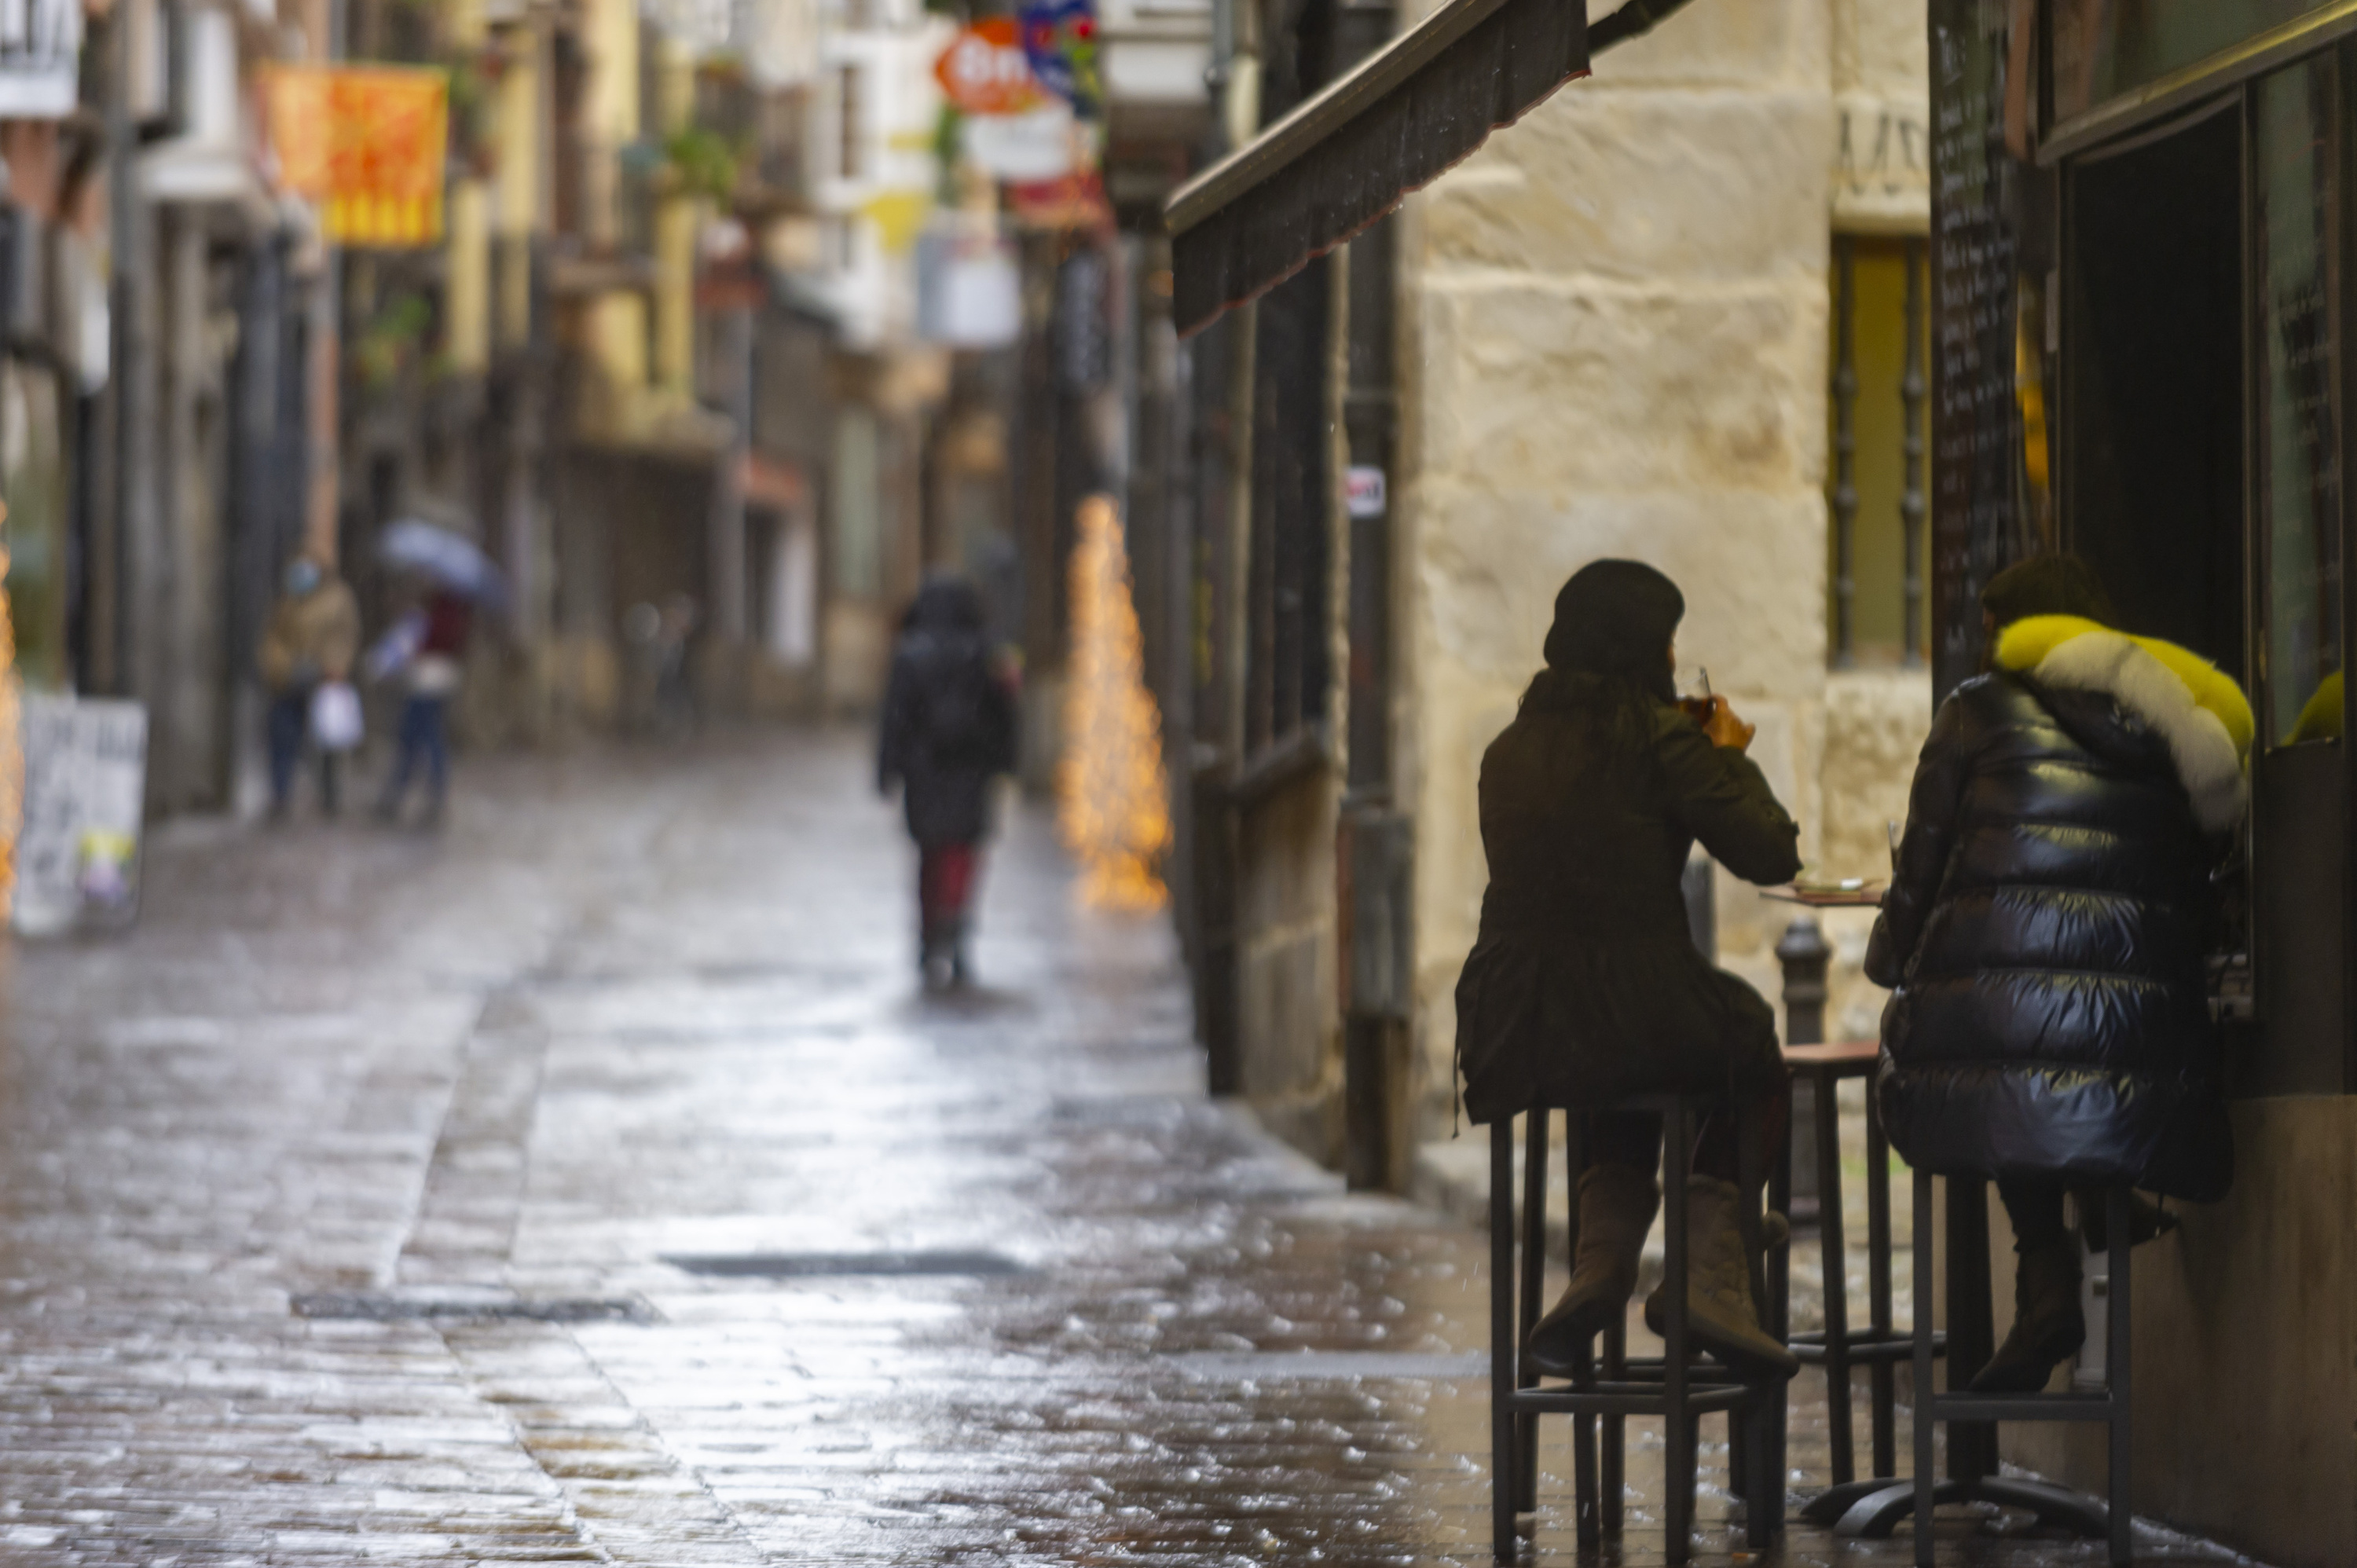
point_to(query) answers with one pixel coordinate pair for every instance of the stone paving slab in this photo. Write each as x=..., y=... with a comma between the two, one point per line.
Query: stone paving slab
x=344, y=1205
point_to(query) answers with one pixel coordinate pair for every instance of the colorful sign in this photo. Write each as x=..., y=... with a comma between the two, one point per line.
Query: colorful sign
x=1060, y=39
x=367, y=145
x=983, y=70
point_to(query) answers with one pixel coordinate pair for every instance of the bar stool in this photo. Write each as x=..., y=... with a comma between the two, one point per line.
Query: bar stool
x=1971, y=1449
x=1819, y=1069
x=1672, y=1387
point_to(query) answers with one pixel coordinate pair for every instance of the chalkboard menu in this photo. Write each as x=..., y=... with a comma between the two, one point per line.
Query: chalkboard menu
x=1991, y=247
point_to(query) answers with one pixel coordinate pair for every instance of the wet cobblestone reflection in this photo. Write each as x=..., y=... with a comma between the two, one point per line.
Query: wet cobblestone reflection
x=346, y=1203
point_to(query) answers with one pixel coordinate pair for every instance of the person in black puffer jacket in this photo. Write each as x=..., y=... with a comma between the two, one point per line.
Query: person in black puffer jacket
x=1585, y=984
x=2045, y=932
x=949, y=728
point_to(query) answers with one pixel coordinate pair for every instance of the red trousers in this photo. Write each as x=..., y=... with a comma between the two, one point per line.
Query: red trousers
x=945, y=878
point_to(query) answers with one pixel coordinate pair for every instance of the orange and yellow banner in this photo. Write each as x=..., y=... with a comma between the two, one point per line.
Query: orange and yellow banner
x=367, y=145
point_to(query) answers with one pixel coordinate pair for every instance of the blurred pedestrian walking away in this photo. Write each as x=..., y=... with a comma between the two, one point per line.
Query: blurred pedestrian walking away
x=427, y=650
x=313, y=636
x=1585, y=985
x=949, y=727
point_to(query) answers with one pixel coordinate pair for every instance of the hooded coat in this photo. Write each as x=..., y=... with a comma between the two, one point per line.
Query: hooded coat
x=1585, y=984
x=948, y=720
x=2046, y=929
x=311, y=637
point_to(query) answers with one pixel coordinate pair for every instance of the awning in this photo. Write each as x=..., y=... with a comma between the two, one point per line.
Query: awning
x=1395, y=122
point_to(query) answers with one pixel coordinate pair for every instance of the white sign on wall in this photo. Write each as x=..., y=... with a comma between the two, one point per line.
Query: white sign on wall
x=40, y=58
x=1365, y=492
x=85, y=788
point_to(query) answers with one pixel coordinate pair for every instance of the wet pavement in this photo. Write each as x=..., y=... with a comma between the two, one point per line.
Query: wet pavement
x=591, y=1183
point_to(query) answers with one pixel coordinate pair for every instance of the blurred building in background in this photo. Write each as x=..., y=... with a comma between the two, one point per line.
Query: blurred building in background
x=726, y=315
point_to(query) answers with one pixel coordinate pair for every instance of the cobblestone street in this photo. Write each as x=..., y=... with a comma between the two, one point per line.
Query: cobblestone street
x=518, y=1195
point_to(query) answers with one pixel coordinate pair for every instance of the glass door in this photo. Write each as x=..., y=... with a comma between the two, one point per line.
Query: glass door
x=2298, y=774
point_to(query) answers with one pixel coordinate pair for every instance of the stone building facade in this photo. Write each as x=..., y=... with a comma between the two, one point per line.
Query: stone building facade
x=1616, y=325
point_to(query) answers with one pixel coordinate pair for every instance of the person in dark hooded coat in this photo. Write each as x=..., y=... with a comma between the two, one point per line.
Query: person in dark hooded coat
x=2046, y=929
x=949, y=727
x=1585, y=984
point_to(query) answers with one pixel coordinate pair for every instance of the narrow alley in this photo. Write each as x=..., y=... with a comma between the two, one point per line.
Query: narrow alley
x=594, y=1184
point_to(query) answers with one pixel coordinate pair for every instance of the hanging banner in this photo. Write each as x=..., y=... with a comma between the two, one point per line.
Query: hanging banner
x=366, y=143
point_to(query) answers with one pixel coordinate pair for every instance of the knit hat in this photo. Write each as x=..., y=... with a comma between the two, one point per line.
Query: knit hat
x=1616, y=618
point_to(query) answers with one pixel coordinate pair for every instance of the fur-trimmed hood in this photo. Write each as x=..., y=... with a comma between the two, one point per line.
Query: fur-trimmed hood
x=2183, y=698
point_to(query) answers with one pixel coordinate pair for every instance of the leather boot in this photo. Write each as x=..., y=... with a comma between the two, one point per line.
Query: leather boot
x=1615, y=1209
x=2048, y=1325
x=1720, y=1315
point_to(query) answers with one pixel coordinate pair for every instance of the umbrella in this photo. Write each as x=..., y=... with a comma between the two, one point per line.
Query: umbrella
x=452, y=560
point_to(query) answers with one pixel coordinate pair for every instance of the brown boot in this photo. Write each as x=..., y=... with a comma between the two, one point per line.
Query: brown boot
x=2048, y=1325
x=1720, y=1315
x=1615, y=1209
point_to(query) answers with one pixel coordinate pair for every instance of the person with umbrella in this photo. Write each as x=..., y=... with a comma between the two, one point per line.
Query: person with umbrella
x=427, y=650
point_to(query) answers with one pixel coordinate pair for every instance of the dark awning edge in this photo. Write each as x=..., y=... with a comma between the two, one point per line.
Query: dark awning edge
x=1395, y=122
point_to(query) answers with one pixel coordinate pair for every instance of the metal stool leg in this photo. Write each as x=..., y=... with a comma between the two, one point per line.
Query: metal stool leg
x=1678, y=1421
x=1755, y=1465
x=2117, y=1377
x=1587, y=1504
x=1833, y=1246
x=1532, y=1294
x=1504, y=1356
x=1611, y=1474
x=1926, y=1481
x=1877, y=1245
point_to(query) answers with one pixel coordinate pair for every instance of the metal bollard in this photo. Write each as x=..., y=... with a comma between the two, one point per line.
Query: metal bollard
x=1804, y=953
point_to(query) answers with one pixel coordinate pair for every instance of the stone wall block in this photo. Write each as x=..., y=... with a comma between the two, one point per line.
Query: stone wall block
x=1882, y=47
x=1562, y=391
x=1702, y=184
x=1750, y=563
x=1733, y=42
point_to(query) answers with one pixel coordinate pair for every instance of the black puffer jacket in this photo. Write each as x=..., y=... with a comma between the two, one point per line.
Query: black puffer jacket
x=1586, y=983
x=948, y=720
x=2046, y=929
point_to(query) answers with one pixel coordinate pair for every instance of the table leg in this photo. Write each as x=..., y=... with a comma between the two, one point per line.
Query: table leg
x=1833, y=1249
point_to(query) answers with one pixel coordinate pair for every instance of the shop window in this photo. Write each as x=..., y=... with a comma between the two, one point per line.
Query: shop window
x=2299, y=460
x=858, y=505
x=1878, y=424
x=2104, y=48
x=2153, y=328
x=851, y=141
x=1287, y=652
